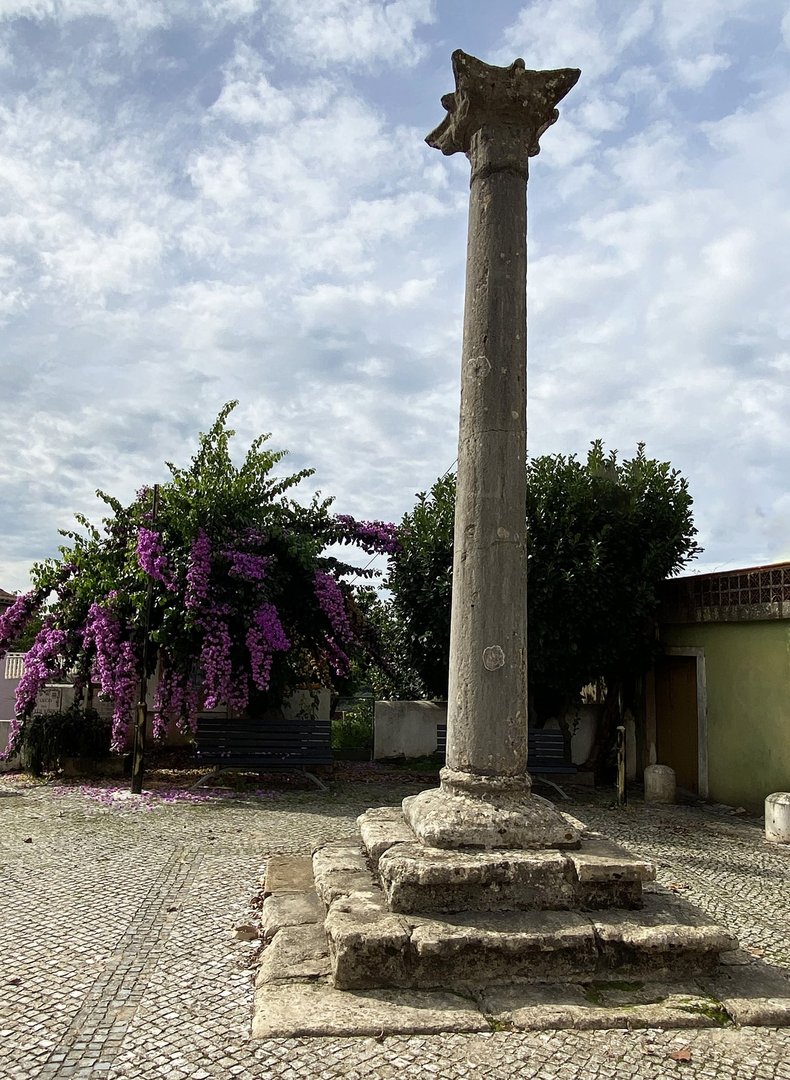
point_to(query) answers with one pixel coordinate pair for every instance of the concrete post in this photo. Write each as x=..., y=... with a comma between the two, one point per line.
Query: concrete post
x=777, y=817
x=496, y=117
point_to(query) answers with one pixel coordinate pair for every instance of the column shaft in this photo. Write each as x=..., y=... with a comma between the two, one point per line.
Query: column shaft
x=487, y=710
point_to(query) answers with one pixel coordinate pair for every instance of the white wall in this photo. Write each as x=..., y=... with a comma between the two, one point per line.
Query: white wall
x=406, y=728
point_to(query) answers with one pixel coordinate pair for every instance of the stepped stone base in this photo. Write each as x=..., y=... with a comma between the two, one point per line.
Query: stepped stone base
x=403, y=915
x=566, y=958
x=391, y=935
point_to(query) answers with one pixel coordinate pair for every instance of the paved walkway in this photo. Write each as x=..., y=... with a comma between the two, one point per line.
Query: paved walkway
x=119, y=957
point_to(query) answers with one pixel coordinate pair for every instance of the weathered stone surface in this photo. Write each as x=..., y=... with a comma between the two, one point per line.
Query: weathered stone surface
x=601, y=1005
x=754, y=996
x=476, y=950
x=421, y=880
x=338, y=855
x=606, y=875
x=450, y=817
x=288, y=873
x=659, y=784
x=296, y=952
x=289, y=909
x=339, y=868
x=339, y=883
x=513, y=96
x=381, y=828
x=599, y=859
x=667, y=938
x=372, y=947
x=368, y=946
x=318, y=1009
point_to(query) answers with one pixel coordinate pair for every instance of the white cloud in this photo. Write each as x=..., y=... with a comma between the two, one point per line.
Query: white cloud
x=356, y=33
x=699, y=25
x=573, y=34
x=600, y=114
x=135, y=14
x=697, y=71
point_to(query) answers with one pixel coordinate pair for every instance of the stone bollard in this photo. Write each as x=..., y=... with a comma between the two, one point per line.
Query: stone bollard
x=659, y=784
x=777, y=817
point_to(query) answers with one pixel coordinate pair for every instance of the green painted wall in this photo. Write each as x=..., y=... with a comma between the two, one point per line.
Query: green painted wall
x=748, y=690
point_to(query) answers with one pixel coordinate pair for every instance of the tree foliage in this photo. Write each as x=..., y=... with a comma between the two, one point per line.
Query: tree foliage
x=420, y=579
x=602, y=535
x=246, y=604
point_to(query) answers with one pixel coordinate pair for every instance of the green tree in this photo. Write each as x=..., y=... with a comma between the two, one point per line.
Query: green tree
x=420, y=579
x=602, y=536
x=246, y=604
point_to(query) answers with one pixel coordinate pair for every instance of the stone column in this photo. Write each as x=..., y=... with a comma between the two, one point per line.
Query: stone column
x=496, y=117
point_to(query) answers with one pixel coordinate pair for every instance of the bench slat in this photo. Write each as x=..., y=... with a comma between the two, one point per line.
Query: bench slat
x=545, y=750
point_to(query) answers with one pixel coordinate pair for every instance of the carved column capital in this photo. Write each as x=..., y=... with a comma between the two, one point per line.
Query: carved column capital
x=497, y=115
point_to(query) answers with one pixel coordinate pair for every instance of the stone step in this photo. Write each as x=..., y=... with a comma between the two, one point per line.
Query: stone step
x=370, y=946
x=420, y=880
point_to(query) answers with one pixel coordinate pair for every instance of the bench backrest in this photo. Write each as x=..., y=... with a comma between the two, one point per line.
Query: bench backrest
x=544, y=745
x=218, y=736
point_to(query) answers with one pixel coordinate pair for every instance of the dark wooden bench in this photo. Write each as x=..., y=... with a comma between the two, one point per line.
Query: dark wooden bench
x=546, y=753
x=262, y=745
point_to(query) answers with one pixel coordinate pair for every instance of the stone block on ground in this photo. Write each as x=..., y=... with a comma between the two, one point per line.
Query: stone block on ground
x=368, y=946
x=295, y=953
x=289, y=909
x=340, y=868
x=318, y=1009
x=601, y=1005
x=777, y=817
x=381, y=828
x=754, y=995
x=288, y=873
x=606, y=875
x=478, y=949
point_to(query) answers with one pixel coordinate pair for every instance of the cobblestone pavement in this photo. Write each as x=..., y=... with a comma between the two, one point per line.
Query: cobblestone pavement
x=119, y=957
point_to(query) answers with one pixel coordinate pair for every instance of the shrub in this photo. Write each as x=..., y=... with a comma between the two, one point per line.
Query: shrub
x=46, y=740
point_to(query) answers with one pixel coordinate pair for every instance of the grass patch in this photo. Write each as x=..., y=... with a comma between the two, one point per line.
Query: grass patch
x=712, y=1009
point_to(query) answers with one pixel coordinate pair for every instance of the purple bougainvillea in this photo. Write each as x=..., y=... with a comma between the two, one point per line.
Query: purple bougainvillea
x=14, y=620
x=333, y=604
x=115, y=668
x=198, y=573
x=40, y=660
x=246, y=566
x=265, y=637
x=151, y=557
x=374, y=535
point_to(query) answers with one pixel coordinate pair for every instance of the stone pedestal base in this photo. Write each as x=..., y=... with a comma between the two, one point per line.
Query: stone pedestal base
x=469, y=811
x=574, y=970
x=400, y=914
x=371, y=945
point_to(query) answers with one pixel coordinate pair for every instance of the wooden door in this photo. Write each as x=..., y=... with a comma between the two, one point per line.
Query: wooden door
x=677, y=722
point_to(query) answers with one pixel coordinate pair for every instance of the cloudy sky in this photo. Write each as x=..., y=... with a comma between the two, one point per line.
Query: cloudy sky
x=211, y=199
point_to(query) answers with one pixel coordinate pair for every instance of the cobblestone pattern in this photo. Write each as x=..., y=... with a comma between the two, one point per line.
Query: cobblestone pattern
x=120, y=958
x=723, y=866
